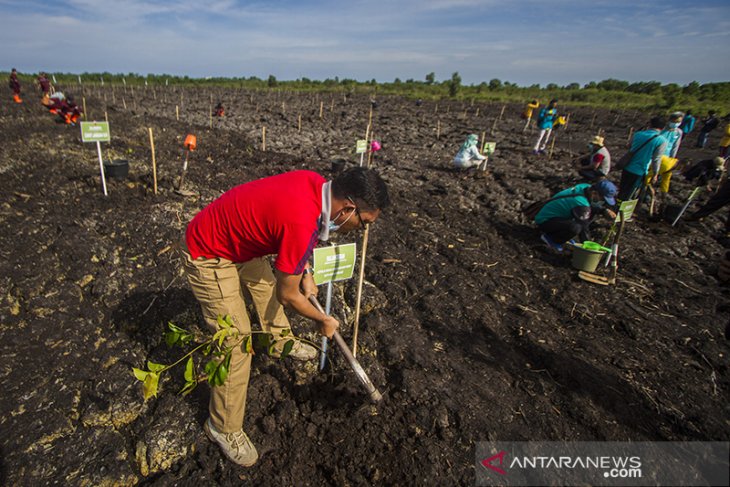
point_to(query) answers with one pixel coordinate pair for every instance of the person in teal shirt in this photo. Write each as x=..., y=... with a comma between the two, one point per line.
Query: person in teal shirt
x=688, y=123
x=570, y=212
x=648, y=147
x=545, y=121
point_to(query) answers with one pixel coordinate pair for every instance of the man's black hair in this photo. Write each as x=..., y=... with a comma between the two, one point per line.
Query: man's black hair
x=657, y=122
x=364, y=186
x=553, y=101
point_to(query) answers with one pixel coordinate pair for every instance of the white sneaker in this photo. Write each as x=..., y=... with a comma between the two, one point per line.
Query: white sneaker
x=236, y=446
x=300, y=351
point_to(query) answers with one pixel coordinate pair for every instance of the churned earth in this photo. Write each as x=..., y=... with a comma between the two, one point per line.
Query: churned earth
x=470, y=328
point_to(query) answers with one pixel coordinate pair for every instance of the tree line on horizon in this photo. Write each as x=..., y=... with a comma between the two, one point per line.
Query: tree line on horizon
x=607, y=93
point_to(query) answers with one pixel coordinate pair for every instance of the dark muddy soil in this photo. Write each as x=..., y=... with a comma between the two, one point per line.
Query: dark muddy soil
x=471, y=328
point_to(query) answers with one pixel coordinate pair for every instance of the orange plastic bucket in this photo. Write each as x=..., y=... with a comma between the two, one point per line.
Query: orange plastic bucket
x=190, y=142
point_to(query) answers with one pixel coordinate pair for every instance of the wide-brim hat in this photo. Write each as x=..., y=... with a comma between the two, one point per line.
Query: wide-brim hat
x=597, y=140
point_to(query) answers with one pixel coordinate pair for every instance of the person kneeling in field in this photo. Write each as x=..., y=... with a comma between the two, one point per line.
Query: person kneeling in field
x=469, y=156
x=569, y=213
x=224, y=254
x=597, y=164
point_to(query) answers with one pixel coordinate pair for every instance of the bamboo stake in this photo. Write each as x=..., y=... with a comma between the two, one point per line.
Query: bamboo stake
x=593, y=119
x=263, y=138
x=154, y=162
x=477, y=114
x=210, y=115
x=83, y=100
x=114, y=97
x=359, y=290
x=631, y=132
x=438, y=129
x=299, y=123
x=124, y=102
x=177, y=113
x=552, y=145
x=321, y=109
x=106, y=117
x=494, y=125
x=502, y=112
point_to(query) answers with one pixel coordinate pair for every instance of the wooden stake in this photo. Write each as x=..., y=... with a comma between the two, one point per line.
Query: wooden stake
x=154, y=162
x=263, y=138
x=210, y=114
x=438, y=129
x=83, y=100
x=631, y=132
x=593, y=119
x=477, y=114
x=321, y=109
x=106, y=117
x=177, y=113
x=552, y=145
x=494, y=125
x=502, y=112
x=359, y=289
x=299, y=123
x=124, y=102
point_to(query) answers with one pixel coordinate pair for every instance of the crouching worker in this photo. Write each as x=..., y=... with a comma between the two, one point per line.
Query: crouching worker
x=703, y=172
x=569, y=213
x=469, y=156
x=224, y=255
x=595, y=165
x=219, y=110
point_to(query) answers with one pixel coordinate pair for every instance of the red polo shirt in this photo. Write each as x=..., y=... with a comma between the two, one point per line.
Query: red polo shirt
x=274, y=215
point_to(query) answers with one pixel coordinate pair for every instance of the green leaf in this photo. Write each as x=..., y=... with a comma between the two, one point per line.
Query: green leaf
x=285, y=332
x=221, y=374
x=139, y=373
x=153, y=367
x=287, y=348
x=188, y=388
x=220, y=335
x=210, y=368
x=189, y=370
x=149, y=387
x=247, y=345
x=171, y=338
x=173, y=327
x=206, y=349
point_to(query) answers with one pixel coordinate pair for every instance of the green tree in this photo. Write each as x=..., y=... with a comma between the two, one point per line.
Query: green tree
x=430, y=78
x=495, y=84
x=454, y=84
x=272, y=81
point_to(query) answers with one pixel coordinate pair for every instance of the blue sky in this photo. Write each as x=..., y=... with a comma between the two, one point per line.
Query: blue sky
x=522, y=41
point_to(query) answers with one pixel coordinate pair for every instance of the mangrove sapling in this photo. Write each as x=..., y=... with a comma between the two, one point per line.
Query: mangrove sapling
x=216, y=369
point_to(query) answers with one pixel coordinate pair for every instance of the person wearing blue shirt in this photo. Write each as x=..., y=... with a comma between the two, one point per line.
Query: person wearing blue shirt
x=545, y=121
x=688, y=123
x=648, y=147
x=569, y=213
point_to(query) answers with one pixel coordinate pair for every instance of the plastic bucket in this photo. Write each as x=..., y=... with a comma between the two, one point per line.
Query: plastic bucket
x=585, y=259
x=116, y=168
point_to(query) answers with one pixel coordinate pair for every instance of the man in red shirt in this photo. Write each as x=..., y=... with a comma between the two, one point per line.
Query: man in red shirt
x=224, y=253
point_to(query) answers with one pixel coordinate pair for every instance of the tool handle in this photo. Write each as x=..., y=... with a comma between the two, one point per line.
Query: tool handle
x=359, y=371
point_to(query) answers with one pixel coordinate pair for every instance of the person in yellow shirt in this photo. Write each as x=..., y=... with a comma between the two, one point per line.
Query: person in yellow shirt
x=527, y=114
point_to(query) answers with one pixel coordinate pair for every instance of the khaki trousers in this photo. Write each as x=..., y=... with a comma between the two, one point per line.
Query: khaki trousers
x=219, y=286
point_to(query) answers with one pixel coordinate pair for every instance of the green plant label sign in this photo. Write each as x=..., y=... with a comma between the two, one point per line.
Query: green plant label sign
x=334, y=263
x=627, y=208
x=95, y=132
x=361, y=146
x=489, y=147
